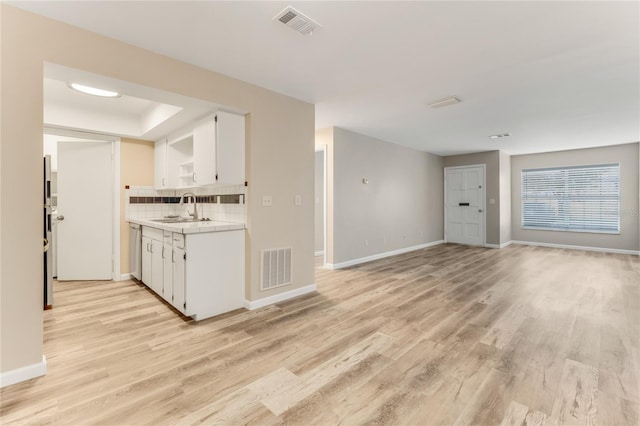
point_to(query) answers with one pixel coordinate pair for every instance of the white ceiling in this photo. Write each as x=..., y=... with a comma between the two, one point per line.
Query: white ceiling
x=556, y=75
x=141, y=112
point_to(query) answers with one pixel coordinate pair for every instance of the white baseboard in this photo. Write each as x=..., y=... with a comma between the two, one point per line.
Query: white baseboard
x=381, y=255
x=259, y=303
x=564, y=246
x=24, y=373
x=125, y=277
x=319, y=253
x=499, y=246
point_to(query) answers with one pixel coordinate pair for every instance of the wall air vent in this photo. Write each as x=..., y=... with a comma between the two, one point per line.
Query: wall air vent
x=275, y=268
x=297, y=21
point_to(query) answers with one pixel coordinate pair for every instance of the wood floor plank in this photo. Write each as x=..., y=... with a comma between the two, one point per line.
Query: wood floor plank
x=439, y=336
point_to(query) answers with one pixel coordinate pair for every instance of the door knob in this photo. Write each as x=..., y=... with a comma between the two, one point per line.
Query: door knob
x=60, y=217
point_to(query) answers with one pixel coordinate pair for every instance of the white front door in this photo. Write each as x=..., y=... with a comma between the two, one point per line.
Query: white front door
x=85, y=210
x=464, y=205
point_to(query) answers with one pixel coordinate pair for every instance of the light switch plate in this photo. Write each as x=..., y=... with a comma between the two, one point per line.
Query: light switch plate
x=297, y=200
x=267, y=201
x=492, y=200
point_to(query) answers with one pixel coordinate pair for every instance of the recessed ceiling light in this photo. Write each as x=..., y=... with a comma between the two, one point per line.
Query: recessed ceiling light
x=451, y=100
x=500, y=135
x=93, y=90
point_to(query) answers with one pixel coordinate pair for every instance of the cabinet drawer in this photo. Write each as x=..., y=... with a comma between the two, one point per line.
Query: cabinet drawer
x=153, y=233
x=178, y=240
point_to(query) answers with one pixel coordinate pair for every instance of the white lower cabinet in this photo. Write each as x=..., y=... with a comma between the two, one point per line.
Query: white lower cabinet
x=152, y=268
x=200, y=274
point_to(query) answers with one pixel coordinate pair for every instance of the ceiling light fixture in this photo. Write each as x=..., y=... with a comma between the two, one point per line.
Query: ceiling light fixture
x=93, y=90
x=500, y=135
x=451, y=100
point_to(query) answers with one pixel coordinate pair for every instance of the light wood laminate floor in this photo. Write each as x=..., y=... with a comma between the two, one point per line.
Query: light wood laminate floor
x=445, y=335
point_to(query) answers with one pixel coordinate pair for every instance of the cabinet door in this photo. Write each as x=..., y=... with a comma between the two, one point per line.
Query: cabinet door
x=160, y=165
x=156, y=266
x=146, y=261
x=167, y=272
x=204, y=152
x=230, y=148
x=179, y=270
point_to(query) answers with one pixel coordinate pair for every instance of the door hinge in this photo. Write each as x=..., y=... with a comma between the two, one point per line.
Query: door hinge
x=184, y=256
x=185, y=305
x=216, y=176
x=216, y=118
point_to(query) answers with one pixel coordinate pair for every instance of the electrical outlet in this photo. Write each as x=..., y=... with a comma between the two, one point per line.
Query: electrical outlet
x=297, y=200
x=492, y=200
x=366, y=243
x=267, y=201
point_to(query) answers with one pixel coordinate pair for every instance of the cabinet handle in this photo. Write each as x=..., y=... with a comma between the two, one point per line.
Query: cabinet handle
x=194, y=176
x=151, y=247
x=163, y=184
x=148, y=250
x=163, y=252
x=173, y=258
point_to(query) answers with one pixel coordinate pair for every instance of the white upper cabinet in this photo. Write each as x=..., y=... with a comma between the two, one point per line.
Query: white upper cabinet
x=230, y=149
x=210, y=152
x=160, y=166
x=204, y=152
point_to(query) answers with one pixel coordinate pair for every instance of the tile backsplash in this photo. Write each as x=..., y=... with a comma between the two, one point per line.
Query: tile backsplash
x=227, y=204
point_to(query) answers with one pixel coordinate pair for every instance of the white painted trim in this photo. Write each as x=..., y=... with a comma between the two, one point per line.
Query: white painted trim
x=319, y=253
x=24, y=373
x=499, y=246
x=255, y=304
x=484, y=198
x=564, y=246
x=382, y=255
x=116, y=209
x=125, y=277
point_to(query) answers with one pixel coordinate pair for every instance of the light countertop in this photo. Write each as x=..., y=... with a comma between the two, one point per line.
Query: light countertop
x=190, y=227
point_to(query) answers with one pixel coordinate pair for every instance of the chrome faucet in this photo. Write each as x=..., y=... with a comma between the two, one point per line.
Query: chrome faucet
x=195, y=205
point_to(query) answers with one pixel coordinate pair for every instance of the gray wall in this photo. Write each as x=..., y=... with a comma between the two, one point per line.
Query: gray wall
x=505, y=198
x=319, y=203
x=626, y=155
x=401, y=206
x=492, y=161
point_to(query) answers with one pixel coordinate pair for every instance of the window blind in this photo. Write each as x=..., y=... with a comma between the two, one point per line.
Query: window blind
x=581, y=198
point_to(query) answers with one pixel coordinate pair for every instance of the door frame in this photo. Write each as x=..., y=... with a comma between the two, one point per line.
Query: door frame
x=115, y=213
x=483, y=204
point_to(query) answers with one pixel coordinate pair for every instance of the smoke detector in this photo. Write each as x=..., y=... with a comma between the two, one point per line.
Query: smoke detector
x=297, y=21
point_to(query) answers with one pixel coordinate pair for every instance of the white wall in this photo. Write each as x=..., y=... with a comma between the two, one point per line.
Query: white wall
x=626, y=155
x=319, y=203
x=400, y=207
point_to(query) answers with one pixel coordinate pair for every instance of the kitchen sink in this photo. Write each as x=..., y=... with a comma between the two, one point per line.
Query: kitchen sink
x=178, y=220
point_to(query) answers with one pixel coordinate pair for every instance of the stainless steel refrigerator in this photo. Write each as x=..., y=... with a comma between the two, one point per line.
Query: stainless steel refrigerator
x=47, y=236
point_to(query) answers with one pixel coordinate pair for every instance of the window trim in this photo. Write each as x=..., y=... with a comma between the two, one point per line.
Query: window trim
x=577, y=166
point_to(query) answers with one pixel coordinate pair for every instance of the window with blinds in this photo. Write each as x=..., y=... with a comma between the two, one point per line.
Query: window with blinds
x=581, y=198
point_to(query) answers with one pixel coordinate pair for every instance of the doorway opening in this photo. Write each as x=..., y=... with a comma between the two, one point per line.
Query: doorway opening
x=84, y=205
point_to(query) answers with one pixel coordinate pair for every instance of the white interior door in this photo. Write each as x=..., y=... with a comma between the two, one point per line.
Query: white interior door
x=464, y=205
x=85, y=210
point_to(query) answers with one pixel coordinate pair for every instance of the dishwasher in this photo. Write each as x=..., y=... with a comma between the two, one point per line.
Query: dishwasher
x=135, y=250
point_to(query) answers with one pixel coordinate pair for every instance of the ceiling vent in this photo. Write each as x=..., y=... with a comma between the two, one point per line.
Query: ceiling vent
x=297, y=21
x=451, y=100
